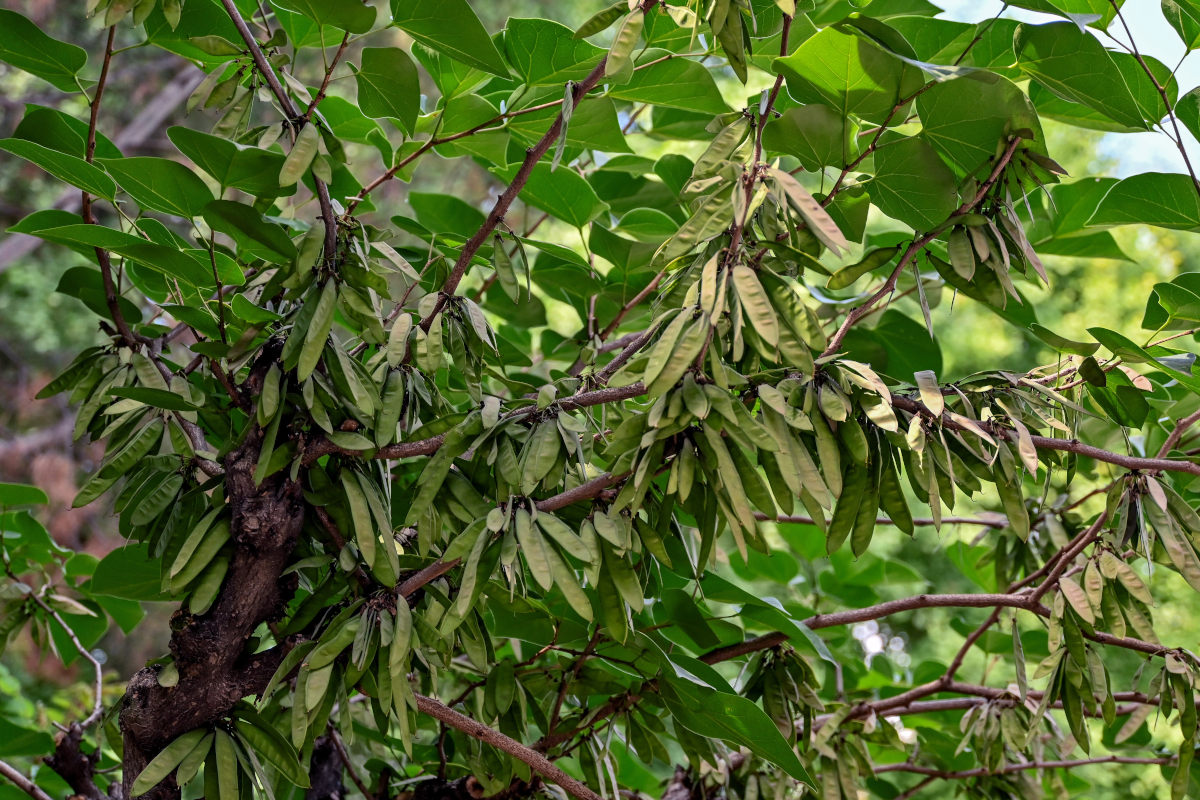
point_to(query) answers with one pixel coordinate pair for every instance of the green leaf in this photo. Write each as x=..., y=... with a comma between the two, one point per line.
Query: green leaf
x=253, y=234
x=815, y=134
x=563, y=193
x=165, y=762
x=59, y=131
x=71, y=169
x=128, y=572
x=1074, y=65
x=1179, y=302
x=675, y=83
x=452, y=78
x=1184, y=17
x=849, y=74
x=160, y=184
x=20, y=494
x=251, y=169
x=167, y=260
x=912, y=184
x=19, y=741
x=445, y=213
x=969, y=119
x=388, y=85
x=546, y=53
x=1062, y=343
x=449, y=27
x=1094, y=12
x=347, y=15
x=24, y=46
x=1166, y=200
x=158, y=398
x=594, y=125
x=1144, y=92
x=733, y=719
x=1187, y=111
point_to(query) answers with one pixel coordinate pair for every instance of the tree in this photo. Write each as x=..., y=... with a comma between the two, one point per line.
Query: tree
x=449, y=510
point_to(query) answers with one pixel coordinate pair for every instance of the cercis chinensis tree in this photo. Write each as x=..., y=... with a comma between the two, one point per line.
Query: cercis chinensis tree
x=470, y=503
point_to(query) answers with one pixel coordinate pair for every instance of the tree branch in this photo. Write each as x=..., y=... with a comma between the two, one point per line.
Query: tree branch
x=1063, y=445
x=536, y=761
x=21, y=782
x=915, y=247
x=532, y=156
x=1019, y=766
x=999, y=522
x=320, y=95
x=328, y=217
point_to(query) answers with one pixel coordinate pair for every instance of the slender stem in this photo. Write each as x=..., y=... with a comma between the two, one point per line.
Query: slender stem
x=85, y=654
x=320, y=95
x=1176, y=434
x=328, y=217
x=340, y=747
x=21, y=782
x=998, y=522
x=1162, y=93
x=1017, y=767
x=532, y=156
x=111, y=296
x=916, y=246
x=536, y=761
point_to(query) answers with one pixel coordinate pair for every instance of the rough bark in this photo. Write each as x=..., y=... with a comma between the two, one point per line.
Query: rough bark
x=215, y=664
x=75, y=766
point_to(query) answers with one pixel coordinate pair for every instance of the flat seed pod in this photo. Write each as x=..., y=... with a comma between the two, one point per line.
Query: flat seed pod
x=301, y=156
x=167, y=760
x=533, y=547
x=620, y=56
x=755, y=304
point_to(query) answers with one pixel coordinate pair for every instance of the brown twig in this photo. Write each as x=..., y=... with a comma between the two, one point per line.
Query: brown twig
x=320, y=95
x=532, y=156
x=328, y=217
x=347, y=764
x=915, y=247
x=998, y=522
x=1017, y=767
x=23, y=783
x=490, y=736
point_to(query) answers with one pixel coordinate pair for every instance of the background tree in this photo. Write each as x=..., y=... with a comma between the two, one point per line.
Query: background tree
x=609, y=487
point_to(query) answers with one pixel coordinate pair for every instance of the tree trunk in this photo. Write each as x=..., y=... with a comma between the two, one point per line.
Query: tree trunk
x=210, y=652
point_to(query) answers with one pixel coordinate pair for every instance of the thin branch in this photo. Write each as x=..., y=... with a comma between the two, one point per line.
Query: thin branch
x=1177, y=433
x=998, y=522
x=633, y=303
x=565, y=683
x=111, y=297
x=536, y=761
x=584, y=491
x=21, y=782
x=916, y=789
x=320, y=95
x=1162, y=93
x=344, y=757
x=532, y=156
x=919, y=601
x=328, y=217
x=437, y=569
x=1018, y=767
x=1064, y=445
x=1068, y=554
x=916, y=246
x=84, y=653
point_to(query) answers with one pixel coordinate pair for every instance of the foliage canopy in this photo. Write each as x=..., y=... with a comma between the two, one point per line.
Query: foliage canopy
x=580, y=493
